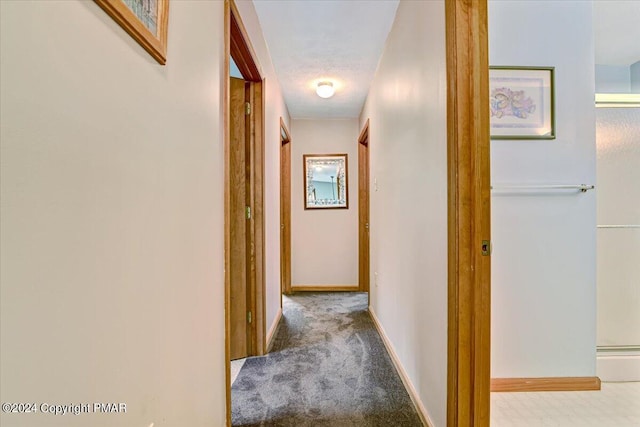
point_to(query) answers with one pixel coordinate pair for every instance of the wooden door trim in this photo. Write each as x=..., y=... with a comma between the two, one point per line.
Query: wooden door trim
x=469, y=308
x=287, y=138
x=226, y=105
x=363, y=138
x=363, y=276
x=257, y=261
x=238, y=45
x=286, y=288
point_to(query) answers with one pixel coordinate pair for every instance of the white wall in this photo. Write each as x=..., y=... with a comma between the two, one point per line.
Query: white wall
x=408, y=156
x=274, y=109
x=544, y=244
x=324, y=243
x=112, y=286
x=613, y=79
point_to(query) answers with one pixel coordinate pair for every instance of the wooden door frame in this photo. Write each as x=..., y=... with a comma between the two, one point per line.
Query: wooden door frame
x=468, y=372
x=363, y=139
x=237, y=43
x=285, y=288
x=469, y=216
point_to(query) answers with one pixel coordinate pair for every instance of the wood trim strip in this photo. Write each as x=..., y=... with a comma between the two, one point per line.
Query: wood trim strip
x=258, y=227
x=227, y=209
x=327, y=288
x=285, y=210
x=364, y=134
x=545, y=384
x=273, y=330
x=287, y=137
x=241, y=49
x=469, y=217
x=364, y=242
x=413, y=394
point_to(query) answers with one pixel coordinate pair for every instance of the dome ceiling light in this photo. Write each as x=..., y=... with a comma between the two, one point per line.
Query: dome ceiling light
x=325, y=89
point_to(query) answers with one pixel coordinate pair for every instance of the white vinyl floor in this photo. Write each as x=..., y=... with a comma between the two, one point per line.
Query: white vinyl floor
x=616, y=405
x=236, y=365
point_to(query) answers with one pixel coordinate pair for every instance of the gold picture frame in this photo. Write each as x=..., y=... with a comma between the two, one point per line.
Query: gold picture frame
x=145, y=20
x=522, y=102
x=326, y=181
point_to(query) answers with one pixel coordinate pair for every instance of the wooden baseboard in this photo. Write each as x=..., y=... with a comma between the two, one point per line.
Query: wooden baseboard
x=326, y=288
x=413, y=394
x=273, y=330
x=545, y=384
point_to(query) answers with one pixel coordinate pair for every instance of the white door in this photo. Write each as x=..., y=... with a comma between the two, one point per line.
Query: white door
x=618, y=280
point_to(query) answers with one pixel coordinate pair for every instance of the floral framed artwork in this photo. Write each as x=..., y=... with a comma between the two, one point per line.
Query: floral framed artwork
x=522, y=102
x=325, y=181
x=145, y=20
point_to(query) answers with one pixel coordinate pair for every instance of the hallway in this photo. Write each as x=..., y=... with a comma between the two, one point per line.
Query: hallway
x=328, y=367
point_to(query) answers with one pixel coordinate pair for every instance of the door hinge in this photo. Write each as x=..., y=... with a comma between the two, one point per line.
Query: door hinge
x=248, y=212
x=247, y=108
x=249, y=317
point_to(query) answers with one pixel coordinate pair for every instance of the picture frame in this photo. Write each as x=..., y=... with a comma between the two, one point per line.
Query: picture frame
x=326, y=181
x=145, y=20
x=522, y=102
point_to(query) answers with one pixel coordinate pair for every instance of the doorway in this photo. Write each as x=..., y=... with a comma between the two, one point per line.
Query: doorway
x=240, y=213
x=285, y=210
x=618, y=232
x=244, y=198
x=469, y=222
x=363, y=209
x=469, y=202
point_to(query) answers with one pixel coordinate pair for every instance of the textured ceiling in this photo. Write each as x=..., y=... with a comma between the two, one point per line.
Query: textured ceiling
x=342, y=41
x=338, y=40
x=616, y=26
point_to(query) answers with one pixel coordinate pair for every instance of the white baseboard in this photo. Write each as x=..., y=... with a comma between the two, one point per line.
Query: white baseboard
x=273, y=329
x=618, y=365
x=413, y=394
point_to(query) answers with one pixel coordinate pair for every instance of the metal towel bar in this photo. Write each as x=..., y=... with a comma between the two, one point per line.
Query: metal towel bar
x=582, y=187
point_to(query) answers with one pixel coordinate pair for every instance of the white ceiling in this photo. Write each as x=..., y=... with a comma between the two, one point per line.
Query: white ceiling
x=342, y=41
x=313, y=40
x=616, y=26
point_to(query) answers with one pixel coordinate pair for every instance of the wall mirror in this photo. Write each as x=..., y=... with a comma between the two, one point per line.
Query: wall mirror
x=325, y=181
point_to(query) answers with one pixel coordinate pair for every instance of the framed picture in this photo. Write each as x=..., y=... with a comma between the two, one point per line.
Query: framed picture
x=325, y=181
x=522, y=102
x=145, y=20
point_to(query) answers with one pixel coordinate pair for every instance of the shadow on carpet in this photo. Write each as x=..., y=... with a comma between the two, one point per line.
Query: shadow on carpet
x=328, y=367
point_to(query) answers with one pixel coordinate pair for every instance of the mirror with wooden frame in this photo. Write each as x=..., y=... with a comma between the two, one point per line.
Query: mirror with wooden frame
x=325, y=181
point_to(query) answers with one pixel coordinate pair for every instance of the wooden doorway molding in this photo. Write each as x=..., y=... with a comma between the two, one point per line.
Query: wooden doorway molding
x=469, y=214
x=238, y=46
x=285, y=210
x=363, y=209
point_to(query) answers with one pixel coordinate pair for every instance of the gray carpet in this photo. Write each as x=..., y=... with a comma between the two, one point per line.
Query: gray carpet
x=328, y=367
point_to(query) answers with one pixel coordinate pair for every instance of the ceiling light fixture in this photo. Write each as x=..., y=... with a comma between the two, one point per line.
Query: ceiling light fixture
x=325, y=89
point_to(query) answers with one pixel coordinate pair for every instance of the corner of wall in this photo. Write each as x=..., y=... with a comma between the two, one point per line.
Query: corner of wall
x=635, y=77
